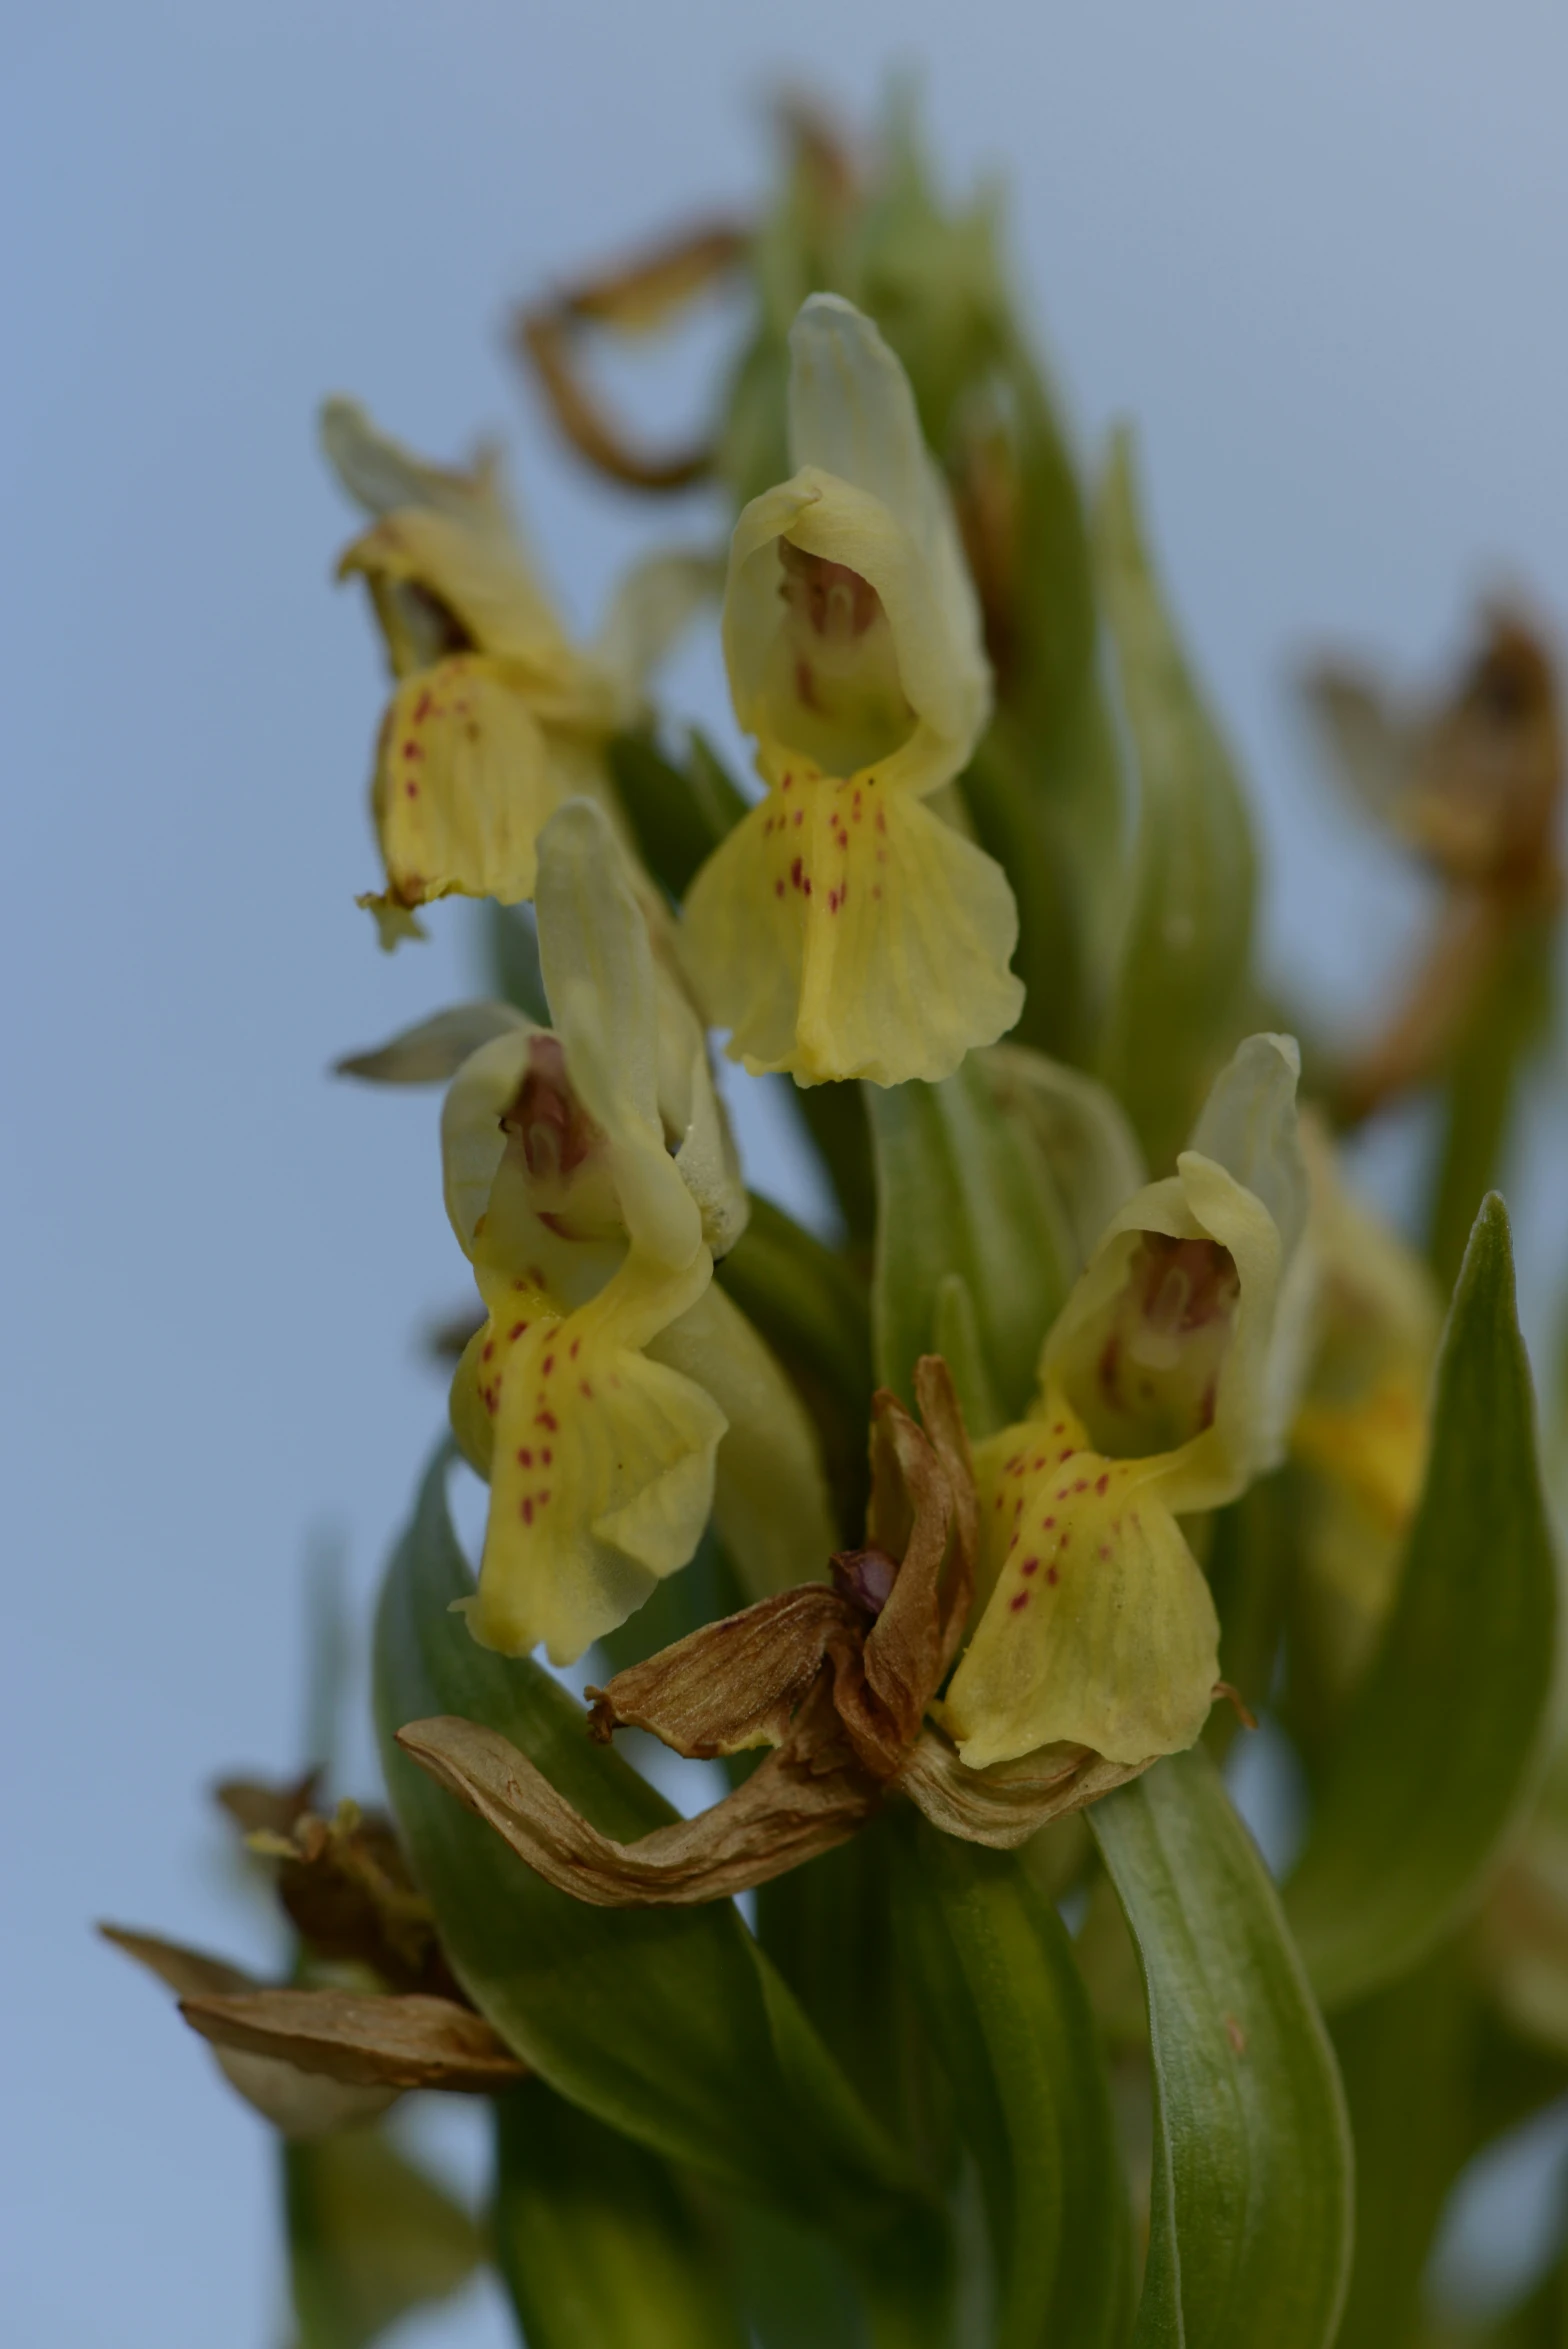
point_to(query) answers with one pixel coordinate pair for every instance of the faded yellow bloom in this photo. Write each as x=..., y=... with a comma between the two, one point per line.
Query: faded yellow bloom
x=613, y=1395
x=1167, y=1384
x=1359, y=1435
x=842, y=930
x=497, y=717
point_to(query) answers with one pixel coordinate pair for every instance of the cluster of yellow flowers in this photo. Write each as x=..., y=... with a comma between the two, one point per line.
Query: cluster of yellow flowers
x=614, y=1396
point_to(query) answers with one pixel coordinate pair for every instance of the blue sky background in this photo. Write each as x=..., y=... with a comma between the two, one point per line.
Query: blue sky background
x=1316, y=250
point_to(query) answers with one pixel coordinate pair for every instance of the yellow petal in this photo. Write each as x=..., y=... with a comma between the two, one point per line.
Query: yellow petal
x=602, y=1468
x=463, y=784
x=843, y=931
x=486, y=594
x=1099, y=1630
x=1186, y=1334
x=851, y=628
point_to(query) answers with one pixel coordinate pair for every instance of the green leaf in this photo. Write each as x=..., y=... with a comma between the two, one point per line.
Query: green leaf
x=813, y=1310
x=1504, y=1026
x=834, y=1117
x=1010, y=2017
x=511, y=960
x=798, y=2292
x=370, y=2238
x=1250, y=1554
x=1405, y=2056
x=1439, y=1748
x=1178, y=999
x=679, y=814
x=1017, y=822
x=594, y=2240
x=668, y=2024
x=958, y=1192
x=1250, y=2225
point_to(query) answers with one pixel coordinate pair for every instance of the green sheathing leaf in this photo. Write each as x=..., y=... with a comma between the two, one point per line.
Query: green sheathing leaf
x=1405, y=2056
x=1250, y=2221
x=1178, y=998
x=834, y=1117
x=958, y=1194
x=370, y=2238
x=1046, y=789
x=510, y=959
x=679, y=814
x=814, y=1312
x=1439, y=1747
x=666, y=2023
x=1010, y=2018
x=1507, y=1022
x=594, y=2240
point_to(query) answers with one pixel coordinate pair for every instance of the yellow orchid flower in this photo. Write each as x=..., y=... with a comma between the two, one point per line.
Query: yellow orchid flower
x=842, y=930
x=1359, y=1436
x=613, y=1395
x=1167, y=1383
x=497, y=717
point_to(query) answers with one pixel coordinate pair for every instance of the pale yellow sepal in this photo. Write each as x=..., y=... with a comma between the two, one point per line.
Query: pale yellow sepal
x=1099, y=1629
x=843, y=931
x=602, y=1461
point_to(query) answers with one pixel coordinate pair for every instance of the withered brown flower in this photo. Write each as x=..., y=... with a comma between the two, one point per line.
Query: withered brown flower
x=835, y=1678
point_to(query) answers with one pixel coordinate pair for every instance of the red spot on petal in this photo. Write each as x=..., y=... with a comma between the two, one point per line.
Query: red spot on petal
x=1082, y=1486
x=1102, y=1483
x=573, y=1349
x=525, y=1458
x=549, y=1420
x=778, y=888
x=1020, y=1601
x=586, y=1390
x=1047, y=1523
x=547, y=1455
x=548, y=1365
x=487, y=1349
x=1030, y=1566
x=526, y=1512
x=516, y=1331
x=1051, y=1575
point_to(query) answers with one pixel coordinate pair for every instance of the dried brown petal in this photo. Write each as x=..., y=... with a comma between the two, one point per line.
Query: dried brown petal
x=733, y=1684
x=189, y=1973
x=298, y=2103
x=922, y=1511
x=1005, y=1805
x=380, y=2042
x=788, y=1810
x=345, y=1885
x=640, y=294
x=943, y=1420
x=260, y=1807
